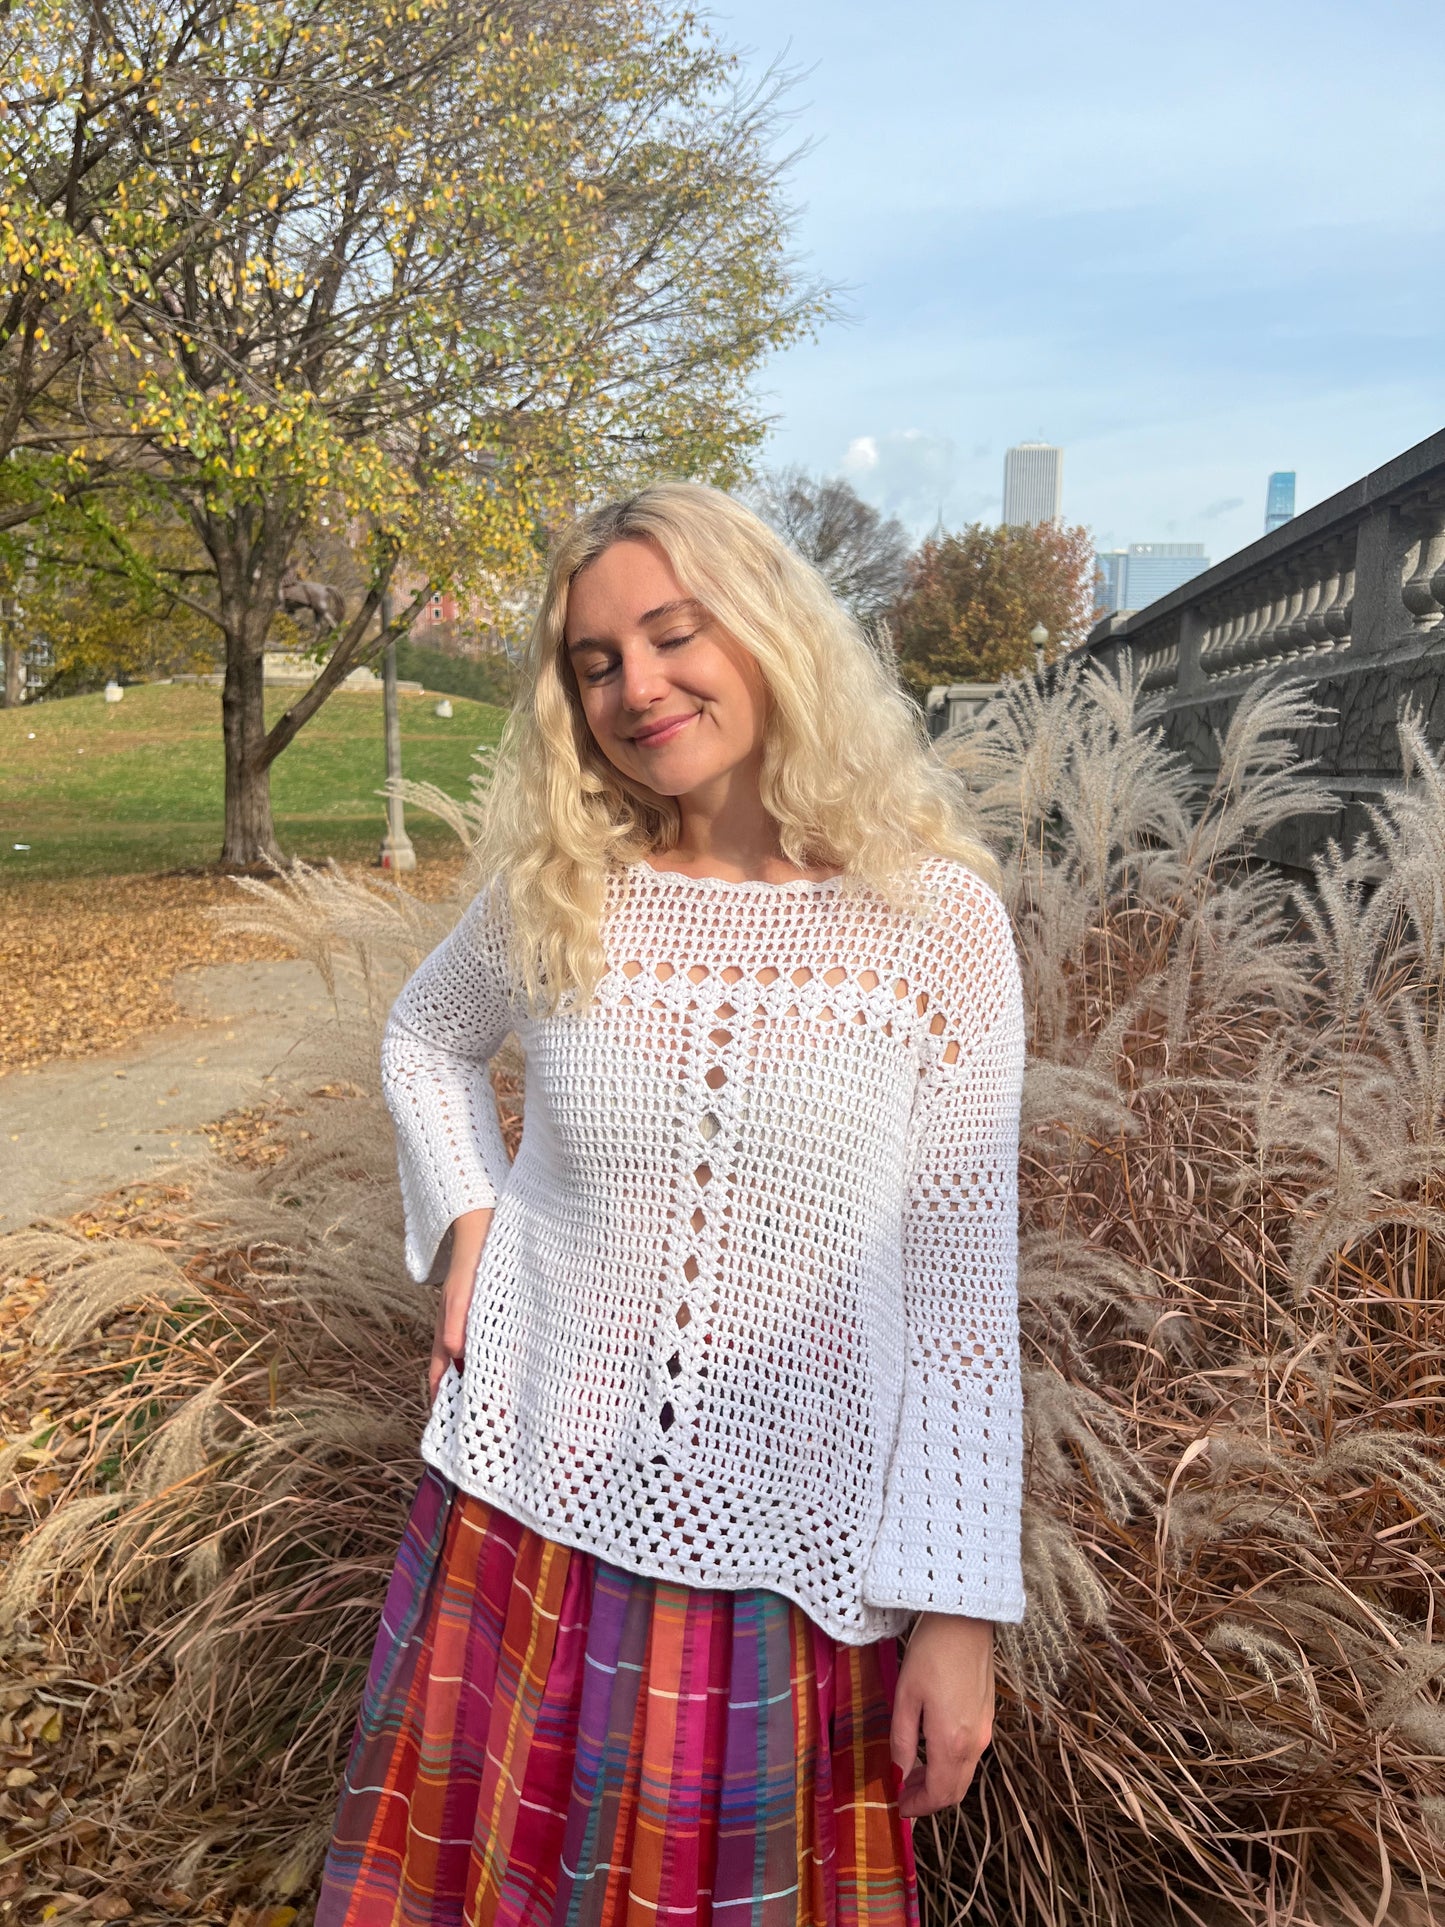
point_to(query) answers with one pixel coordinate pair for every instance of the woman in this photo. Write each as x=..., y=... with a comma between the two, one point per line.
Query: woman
x=725, y=1381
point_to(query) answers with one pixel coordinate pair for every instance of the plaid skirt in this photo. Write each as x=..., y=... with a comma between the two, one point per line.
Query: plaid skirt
x=549, y=1741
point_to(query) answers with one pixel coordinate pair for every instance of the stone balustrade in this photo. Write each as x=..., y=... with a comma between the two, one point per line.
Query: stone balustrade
x=951, y=704
x=1348, y=599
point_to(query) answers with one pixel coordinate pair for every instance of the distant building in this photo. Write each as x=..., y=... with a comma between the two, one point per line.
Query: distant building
x=1157, y=567
x=1132, y=578
x=1033, y=485
x=1279, y=502
x=1111, y=569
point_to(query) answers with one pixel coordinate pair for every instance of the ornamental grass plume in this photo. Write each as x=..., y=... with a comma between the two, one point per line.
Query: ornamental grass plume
x=1226, y=1703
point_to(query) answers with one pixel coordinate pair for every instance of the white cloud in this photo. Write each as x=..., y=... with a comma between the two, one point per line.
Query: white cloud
x=906, y=472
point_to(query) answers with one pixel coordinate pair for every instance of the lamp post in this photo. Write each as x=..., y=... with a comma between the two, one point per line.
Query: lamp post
x=1039, y=637
x=396, y=850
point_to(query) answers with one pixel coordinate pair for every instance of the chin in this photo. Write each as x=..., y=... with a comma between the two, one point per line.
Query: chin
x=672, y=779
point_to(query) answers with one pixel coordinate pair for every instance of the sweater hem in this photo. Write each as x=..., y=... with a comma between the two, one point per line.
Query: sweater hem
x=739, y=1579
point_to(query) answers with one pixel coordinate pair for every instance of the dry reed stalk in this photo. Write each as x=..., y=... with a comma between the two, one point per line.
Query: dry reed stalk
x=1225, y=1704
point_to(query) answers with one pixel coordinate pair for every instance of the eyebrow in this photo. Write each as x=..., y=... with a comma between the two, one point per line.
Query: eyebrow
x=651, y=615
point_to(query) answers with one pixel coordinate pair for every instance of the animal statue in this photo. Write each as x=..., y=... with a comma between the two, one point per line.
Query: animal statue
x=322, y=601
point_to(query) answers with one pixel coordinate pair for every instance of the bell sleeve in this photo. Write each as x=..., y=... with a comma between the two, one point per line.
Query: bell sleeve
x=949, y=1540
x=450, y=1018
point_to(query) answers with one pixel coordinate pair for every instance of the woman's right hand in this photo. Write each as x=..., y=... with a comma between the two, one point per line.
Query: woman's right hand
x=469, y=1234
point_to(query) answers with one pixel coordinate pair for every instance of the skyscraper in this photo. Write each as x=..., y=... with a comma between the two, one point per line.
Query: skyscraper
x=1132, y=578
x=1111, y=579
x=1033, y=484
x=1279, y=503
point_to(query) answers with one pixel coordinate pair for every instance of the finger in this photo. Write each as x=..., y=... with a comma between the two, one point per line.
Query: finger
x=953, y=1751
x=903, y=1732
x=439, y=1365
x=911, y=1798
x=948, y=1781
x=931, y=1789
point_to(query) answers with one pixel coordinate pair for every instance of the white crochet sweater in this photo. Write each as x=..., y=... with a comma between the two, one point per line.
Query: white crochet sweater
x=747, y=1314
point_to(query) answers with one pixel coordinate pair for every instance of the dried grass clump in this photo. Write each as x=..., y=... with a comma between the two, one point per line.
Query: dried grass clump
x=1227, y=1694
x=204, y=1507
x=1227, y=1702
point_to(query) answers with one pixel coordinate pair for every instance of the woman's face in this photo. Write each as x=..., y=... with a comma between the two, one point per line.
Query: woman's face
x=672, y=700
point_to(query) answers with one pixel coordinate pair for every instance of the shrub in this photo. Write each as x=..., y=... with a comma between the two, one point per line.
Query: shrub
x=489, y=678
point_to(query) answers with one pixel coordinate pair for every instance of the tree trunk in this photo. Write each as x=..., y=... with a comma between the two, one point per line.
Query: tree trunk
x=14, y=666
x=250, y=834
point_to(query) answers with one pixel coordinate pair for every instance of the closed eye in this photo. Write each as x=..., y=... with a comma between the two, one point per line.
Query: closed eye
x=604, y=670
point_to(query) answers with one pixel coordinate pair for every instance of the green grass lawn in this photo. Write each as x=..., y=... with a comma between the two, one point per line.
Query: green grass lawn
x=118, y=789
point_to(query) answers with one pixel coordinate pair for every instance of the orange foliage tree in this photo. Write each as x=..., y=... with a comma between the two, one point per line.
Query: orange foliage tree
x=970, y=600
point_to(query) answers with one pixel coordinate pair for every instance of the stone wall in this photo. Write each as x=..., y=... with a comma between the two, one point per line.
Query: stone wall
x=1348, y=599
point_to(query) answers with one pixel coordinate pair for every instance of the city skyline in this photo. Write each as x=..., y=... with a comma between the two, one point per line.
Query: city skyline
x=1032, y=245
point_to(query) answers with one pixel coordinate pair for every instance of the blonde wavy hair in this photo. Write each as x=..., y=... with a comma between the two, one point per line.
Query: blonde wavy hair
x=847, y=771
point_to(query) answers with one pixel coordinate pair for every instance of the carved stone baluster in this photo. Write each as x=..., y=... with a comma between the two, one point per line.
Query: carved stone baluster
x=1161, y=667
x=1417, y=590
x=1223, y=655
x=1339, y=617
x=1214, y=640
x=1289, y=630
x=1224, y=651
x=1316, y=616
x=1301, y=635
x=1263, y=640
x=1244, y=648
x=1275, y=639
x=1154, y=661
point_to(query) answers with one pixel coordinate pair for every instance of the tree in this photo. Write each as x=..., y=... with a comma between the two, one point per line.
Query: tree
x=72, y=592
x=83, y=167
x=429, y=275
x=970, y=600
x=859, y=554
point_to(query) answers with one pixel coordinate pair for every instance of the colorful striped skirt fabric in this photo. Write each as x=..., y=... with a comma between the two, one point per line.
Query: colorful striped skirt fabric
x=549, y=1741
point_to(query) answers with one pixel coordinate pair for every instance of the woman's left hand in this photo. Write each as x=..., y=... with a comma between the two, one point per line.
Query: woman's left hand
x=945, y=1687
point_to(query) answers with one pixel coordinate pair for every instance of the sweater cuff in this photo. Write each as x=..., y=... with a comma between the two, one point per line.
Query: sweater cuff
x=429, y=1221
x=1003, y=1605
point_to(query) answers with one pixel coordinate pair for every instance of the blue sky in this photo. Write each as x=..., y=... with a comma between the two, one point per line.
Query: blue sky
x=1189, y=245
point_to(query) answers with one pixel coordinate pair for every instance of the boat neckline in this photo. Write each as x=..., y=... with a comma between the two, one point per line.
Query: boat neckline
x=736, y=883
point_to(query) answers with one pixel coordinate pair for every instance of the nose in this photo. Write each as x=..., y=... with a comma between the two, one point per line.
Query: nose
x=643, y=679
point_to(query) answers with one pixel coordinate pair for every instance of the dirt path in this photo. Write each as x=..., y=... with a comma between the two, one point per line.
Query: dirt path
x=131, y=1020
x=69, y=1130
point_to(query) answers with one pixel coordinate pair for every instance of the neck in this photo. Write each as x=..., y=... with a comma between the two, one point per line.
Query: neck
x=725, y=827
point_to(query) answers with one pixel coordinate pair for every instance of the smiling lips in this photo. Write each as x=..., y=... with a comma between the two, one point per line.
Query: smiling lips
x=662, y=732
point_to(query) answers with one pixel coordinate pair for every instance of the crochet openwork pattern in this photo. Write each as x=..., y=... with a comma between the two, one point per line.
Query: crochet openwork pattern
x=747, y=1314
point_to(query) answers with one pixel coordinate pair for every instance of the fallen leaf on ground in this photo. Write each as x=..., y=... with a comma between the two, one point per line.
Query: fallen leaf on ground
x=111, y=1907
